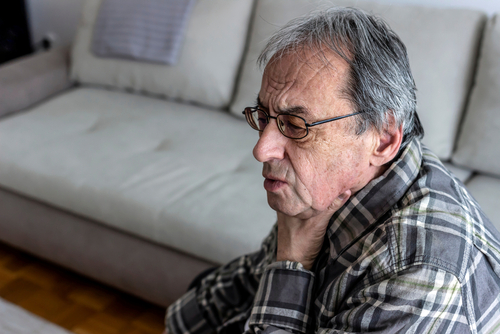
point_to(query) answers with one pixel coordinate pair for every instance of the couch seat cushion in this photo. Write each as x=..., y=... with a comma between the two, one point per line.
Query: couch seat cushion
x=176, y=174
x=442, y=46
x=486, y=190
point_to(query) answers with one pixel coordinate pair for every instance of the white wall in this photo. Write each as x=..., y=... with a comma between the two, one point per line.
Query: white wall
x=60, y=17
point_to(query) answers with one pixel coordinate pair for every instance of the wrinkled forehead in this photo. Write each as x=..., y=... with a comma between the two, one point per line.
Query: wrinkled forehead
x=304, y=73
x=291, y=64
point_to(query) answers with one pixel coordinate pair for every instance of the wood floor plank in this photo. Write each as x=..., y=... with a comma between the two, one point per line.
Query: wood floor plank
x=72, y=316
x=152, y=320
x=127, y=307
x=94, y=297
x=6, y=277
x=138, y=331
x=40, y=274
x=101, y=323
x=72, y=301
x=44, y=304
x=18, y=290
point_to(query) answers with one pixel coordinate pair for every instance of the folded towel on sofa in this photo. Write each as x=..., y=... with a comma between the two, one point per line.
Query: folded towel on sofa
x=146, y=30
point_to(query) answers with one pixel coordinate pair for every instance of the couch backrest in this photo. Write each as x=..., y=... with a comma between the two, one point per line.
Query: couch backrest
x=209, y=60
x=478, y=146
x=442, y=46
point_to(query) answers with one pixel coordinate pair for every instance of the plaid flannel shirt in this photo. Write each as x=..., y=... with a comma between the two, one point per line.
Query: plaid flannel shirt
x=412, y=252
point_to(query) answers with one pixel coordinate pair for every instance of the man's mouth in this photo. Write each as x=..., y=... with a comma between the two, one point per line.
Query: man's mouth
x=273, y=184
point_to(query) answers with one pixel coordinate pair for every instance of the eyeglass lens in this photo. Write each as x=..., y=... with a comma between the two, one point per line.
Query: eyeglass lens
x=291, y=126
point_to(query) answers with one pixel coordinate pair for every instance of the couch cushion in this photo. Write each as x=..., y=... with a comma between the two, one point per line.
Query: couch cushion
x=441, y=43
x=477, y=146
x=486, y=190
x=131, y=162
x=208, y=64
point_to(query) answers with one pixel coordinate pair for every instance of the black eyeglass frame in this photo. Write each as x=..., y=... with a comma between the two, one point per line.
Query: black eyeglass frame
x=253, y=109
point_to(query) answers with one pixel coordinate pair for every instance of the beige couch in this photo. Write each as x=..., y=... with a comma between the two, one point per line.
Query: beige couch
x=141, y=175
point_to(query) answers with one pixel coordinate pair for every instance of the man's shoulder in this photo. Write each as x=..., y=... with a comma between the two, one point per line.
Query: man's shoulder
x=438, y=222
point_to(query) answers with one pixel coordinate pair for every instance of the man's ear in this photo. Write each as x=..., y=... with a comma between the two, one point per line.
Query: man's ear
x=387, y=143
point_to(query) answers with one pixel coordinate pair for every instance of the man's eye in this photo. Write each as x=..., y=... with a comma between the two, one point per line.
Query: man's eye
x=295, y=123
x=293, y=127
x=262, y=122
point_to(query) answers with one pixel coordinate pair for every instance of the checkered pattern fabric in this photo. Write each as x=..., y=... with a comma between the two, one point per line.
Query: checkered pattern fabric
x=412, y=252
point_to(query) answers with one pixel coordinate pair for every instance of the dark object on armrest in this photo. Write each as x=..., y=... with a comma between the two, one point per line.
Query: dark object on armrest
x=31, y=79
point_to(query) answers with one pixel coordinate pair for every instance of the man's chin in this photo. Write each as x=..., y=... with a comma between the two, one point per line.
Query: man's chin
x=280, y=204
x=275, y=201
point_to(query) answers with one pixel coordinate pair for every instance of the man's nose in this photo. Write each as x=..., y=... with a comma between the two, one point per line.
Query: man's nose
x=271, y=144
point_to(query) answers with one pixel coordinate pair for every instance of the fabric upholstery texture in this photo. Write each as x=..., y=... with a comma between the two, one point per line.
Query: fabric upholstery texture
x=122, y=260
x=26, y=81
x=208, y=64
x=144, y=30
x=157, y=169
x=477, y=146
x=442, y=57
x=486, y=190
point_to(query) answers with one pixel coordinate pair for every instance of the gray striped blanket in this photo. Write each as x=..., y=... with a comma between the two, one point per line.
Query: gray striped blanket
x=145, y=30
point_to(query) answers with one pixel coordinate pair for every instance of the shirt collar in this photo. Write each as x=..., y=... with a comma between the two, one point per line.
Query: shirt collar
x=368, y=205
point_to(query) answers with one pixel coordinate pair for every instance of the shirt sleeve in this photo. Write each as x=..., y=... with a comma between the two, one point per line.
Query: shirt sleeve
x=283, y=299
x=225, y=296
x=420, y=299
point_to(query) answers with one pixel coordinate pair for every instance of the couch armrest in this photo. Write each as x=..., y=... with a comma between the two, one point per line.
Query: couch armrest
x=31, y=79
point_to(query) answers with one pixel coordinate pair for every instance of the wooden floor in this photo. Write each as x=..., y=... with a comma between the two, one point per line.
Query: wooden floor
x=71, y=301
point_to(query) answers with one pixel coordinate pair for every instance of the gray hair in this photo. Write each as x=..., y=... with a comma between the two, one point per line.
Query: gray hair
x=380, y=80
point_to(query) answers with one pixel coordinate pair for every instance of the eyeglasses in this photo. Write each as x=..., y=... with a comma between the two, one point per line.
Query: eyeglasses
x=291, y=126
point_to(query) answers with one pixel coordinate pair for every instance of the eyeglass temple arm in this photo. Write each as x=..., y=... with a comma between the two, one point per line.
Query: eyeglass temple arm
x=332, y=119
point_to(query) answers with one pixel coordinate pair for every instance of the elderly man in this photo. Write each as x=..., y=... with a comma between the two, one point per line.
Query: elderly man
x=373, y=234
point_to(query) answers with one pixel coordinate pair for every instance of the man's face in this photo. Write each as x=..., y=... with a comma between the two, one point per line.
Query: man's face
x=303, y=177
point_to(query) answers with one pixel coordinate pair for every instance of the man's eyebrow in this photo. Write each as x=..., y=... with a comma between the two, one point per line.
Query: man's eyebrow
x=257, y=102
x=296, y=110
